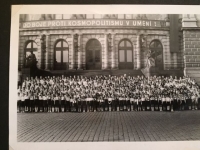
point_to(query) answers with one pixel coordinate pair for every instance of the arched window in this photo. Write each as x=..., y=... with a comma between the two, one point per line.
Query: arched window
x=157, y=53
x=30, y=46
x=125, y=54
x=61, y=55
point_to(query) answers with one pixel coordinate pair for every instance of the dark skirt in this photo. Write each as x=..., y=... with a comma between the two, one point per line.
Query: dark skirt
x=49, y=102
x=168, y=103
x=63, y=102
x=113, y=104
x=106, y=102
x=36, y=102
x=41, y=103
x=52, y=103
x=128, y=102
x=57, y=103
x=148, y=105
x=22, y=104
x=198, y=103
x=32, y=103
x=175, y=104
x=19, y=103
x=188, y=103
x=117, y=102
x=45, y=103
x=160, y=104
x=84, y=105
x=79, y=103
x=27, y=102
x=153, y=102
x=121, y=102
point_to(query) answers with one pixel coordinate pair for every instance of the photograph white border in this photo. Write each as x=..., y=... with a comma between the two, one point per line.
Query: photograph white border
x=82, y=9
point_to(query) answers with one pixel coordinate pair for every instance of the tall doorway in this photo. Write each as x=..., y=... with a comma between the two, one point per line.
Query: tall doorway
x=61, y=55
x=125, y=55
x=93, y=55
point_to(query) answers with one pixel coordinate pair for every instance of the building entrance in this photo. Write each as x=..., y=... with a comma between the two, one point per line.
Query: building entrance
x=125, y=55
x=93, y=55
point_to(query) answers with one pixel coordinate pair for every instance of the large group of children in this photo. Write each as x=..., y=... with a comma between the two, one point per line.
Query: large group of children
x=107, y=93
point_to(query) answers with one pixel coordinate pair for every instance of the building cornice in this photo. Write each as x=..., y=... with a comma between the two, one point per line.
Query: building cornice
x=190, y=28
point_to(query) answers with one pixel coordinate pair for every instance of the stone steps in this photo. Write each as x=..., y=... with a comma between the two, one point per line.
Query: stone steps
x=97, y=72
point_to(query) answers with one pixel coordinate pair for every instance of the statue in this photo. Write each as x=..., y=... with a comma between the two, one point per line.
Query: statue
x=150, y=60
x=150, y=69
x=31, y=60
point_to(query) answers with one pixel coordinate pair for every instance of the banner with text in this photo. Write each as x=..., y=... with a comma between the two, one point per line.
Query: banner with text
x=93, y=23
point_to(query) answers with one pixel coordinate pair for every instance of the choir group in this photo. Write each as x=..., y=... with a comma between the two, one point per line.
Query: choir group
x=107, y=93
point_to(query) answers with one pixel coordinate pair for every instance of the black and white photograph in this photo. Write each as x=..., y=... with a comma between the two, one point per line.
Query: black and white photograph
x=101, y=74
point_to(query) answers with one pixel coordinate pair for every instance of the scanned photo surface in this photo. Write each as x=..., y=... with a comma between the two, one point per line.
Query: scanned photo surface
x=106, y=77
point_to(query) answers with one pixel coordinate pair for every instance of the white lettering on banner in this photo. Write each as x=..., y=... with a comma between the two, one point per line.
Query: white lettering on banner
x=73, y=23
x=116, y=23
x=147, y=23
x=98, y=23
x=127, y=22
x=83, y=23
x=139, y=23
x=143, y=23
x=134, y=23
x=57, y=23
x=49, y=23
x=53, y=23
x=88, y=23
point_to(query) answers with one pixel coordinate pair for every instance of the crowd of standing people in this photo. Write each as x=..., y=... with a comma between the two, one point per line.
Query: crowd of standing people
x=107, y=93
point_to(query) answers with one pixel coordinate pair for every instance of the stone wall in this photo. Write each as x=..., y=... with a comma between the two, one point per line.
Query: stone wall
x=191, y=40
x=109, y=56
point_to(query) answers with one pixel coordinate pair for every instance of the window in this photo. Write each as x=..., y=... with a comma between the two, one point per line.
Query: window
x=33, y=17
x=125, y=54
x=97, y=16
x=58, y=16
x=120, y=16
x=89, y=16
x=31, y=46
x=129, y=16
x=61, y=58
x=66, y=16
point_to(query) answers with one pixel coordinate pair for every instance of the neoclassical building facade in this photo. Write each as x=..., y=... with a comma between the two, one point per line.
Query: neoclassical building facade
x=110, y=41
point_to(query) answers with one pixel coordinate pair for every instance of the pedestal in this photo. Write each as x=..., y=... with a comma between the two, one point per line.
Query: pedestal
x=150, y=71
x=26, y=72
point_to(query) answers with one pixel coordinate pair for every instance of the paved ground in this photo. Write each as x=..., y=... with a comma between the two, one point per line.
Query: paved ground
x=109, y=126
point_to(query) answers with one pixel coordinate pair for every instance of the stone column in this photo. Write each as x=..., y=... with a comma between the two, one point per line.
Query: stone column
x=106, y=51
x=138, y=53
x=113, y=64
x=41, y=54
x=72, y=52
x=79, y=51
x=47, y=53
